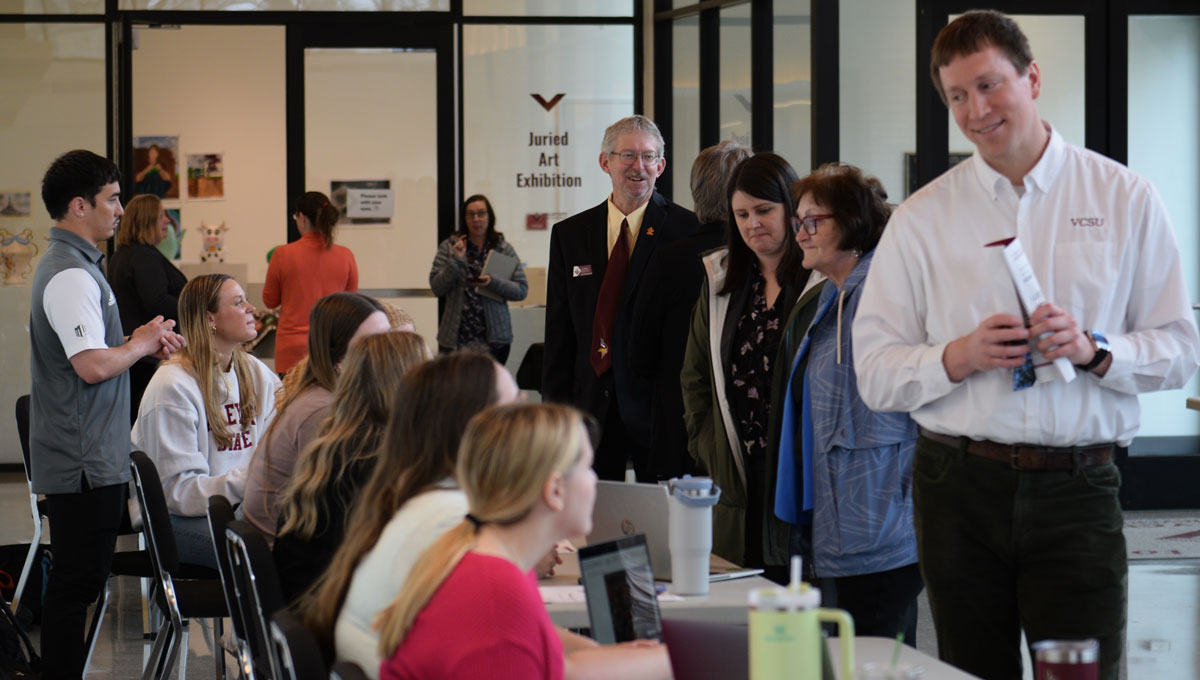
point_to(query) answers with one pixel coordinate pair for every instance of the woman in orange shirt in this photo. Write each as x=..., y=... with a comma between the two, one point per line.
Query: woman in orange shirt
x=304, y=271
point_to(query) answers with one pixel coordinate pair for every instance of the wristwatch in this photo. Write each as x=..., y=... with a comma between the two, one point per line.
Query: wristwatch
x=1100, y=343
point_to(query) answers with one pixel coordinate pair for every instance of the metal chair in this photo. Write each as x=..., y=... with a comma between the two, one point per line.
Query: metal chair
x=347, y=670
x=179, y=599
x=220, y=514
x=36, y=508
x=295, y=648
x=257, y=593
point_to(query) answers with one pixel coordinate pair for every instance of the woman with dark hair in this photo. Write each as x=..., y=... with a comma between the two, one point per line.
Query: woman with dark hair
x=476, y=313
x=335, y=322
x=145, y=282
x=845, y=471
x=304, y=271
x=749, y=291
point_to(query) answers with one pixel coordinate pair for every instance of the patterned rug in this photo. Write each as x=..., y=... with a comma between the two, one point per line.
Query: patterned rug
x=1156, y=538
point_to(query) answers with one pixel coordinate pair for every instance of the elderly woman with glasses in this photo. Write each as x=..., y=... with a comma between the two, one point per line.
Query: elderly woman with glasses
x=845, y=472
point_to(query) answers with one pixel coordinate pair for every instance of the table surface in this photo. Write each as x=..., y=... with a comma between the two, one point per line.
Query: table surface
x=879, y=650
x=726, y=602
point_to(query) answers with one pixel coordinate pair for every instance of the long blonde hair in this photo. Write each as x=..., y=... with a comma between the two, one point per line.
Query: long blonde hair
x=420, y=447
x=331, y=325
x=362, y=401
x=199, y=298
x=507, y=454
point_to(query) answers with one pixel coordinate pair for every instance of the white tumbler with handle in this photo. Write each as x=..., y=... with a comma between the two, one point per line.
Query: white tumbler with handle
x=690, y=536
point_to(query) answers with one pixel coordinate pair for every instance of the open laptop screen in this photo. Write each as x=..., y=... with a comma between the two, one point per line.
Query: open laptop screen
x=619, y=586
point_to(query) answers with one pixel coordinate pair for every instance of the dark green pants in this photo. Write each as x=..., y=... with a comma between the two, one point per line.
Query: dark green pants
x=1003, y=549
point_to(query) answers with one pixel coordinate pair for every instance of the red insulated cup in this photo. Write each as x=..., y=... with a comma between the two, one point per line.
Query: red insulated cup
x=1066, y=659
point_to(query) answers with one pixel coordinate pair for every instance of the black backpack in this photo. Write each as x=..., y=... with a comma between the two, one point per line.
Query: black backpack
x=18, y=660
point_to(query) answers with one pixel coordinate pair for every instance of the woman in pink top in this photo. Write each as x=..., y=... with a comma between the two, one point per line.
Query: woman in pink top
x=304, y=271
x=470, y=607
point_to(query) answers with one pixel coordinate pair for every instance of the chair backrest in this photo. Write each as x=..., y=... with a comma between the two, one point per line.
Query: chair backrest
x=296, y=649
x=259, y=595
x=347, y=670
x=220, y=514
x=23, y=431
x=156, y=520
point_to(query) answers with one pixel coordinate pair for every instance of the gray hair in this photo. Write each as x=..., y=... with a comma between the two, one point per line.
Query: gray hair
x=630, y=124
x=710, y=175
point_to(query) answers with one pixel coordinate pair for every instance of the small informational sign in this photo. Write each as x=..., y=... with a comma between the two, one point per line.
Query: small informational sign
x=370, y=203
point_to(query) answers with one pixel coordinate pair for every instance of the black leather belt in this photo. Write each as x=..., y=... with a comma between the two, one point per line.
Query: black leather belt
x=1028, y=456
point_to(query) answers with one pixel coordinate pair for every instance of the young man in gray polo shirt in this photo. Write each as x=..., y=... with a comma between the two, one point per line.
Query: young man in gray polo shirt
x=79, y=408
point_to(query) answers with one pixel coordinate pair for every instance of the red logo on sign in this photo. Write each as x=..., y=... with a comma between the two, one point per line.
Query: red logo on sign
x=548, y=104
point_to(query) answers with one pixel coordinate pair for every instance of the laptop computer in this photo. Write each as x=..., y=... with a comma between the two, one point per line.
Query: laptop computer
x=626, y=508
x=619, y=587
x=703, y=650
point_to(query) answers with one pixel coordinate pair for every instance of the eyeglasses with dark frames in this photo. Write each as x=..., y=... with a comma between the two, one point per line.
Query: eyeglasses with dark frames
x=810, y=223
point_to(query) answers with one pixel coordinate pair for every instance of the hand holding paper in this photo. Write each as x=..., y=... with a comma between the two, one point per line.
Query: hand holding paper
x=998, y=342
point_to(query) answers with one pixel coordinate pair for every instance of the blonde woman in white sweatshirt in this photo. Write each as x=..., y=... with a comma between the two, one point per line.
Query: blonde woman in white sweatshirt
x=205, y=410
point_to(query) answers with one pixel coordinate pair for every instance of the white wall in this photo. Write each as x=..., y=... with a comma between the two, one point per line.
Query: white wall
x=52, y=77
x=221, y=89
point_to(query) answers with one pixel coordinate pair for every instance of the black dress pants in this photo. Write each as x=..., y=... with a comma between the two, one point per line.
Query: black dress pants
x=83, y=534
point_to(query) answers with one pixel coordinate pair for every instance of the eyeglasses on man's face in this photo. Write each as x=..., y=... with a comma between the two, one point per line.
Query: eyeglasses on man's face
x=809, y=224
x=628, y=157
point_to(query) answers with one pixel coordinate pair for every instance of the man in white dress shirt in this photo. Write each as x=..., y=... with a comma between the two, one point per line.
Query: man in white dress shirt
x=1018, y=521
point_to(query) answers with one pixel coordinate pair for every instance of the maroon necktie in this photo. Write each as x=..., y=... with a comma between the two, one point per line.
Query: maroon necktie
x=610, y=298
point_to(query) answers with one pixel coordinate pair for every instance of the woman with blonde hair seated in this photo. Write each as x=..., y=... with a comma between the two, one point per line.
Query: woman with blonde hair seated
x=305, y=400
x=205, y=410
x=469, y=608
x=332, y=471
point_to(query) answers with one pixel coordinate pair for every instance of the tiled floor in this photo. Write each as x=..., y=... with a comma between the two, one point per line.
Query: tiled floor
x=1163, y=633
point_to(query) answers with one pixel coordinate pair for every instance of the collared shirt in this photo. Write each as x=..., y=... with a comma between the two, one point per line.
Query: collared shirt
x=76, y=429
x=614, y=224
x=1100, y=242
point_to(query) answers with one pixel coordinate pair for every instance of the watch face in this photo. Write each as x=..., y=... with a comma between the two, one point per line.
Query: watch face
x=1101, y=341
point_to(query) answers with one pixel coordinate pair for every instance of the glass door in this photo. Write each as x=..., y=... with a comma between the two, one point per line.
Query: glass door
x=371, y=127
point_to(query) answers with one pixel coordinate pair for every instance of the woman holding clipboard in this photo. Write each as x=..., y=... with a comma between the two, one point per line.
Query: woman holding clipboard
x=478, y=273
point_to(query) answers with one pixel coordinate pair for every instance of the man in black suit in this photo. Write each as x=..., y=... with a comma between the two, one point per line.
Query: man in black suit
x=592, y=285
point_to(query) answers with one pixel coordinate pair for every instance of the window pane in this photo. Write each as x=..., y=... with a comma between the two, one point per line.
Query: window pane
x=685, y=106
x=1164, y=145
x=878, y=110
x=735, y=74
x=52, y=76
x=793, y=83
x=51, y=7
x=558, y=8
x=1058, y=46
x=292, y=5
x=536, y=102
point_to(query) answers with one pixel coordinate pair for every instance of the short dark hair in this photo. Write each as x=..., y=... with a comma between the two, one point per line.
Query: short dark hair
x=858, y=203
x=493, y=236
x=77, y=173
x=766, y=176
x=973, y=32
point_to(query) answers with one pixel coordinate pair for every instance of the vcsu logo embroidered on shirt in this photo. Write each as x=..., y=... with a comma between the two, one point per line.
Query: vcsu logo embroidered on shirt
x=1087, y=221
